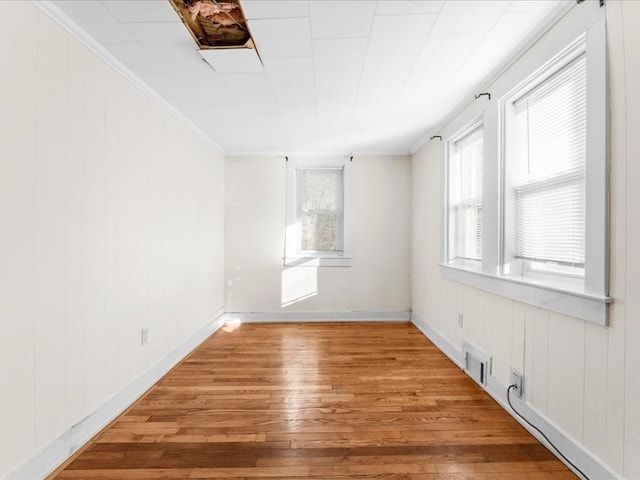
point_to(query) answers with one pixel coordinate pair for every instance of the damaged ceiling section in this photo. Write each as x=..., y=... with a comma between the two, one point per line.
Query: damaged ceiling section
x=220, y=30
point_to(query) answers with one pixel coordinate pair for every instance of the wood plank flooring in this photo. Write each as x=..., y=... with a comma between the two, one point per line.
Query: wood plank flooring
x=324, y=401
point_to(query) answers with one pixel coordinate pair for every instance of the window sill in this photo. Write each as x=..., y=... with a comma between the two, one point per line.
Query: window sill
x=592, y=308
x=325, y=261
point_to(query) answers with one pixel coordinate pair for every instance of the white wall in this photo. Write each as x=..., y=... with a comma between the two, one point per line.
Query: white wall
x=378, y=279
x=582, y=377
x=111, y=218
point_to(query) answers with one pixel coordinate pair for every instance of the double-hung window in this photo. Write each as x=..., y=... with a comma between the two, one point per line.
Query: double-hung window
x=464, y=197
x=545, y=175
x=317, y=212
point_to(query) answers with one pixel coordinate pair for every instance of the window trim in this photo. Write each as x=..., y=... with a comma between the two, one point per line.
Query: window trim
x=590, y=301
x=293, y=256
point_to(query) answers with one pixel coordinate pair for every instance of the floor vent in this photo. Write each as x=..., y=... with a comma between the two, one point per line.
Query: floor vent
x=476, y=363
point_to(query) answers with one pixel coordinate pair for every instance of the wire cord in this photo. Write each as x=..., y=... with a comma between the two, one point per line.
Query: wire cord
x=542, y=433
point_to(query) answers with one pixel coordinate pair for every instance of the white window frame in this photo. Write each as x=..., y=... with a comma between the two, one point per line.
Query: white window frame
x=293, y=254
x=469, y=129
x=511, y=266
x=590, y=299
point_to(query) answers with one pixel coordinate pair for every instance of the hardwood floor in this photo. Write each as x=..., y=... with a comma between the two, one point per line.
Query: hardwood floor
x=316, y=401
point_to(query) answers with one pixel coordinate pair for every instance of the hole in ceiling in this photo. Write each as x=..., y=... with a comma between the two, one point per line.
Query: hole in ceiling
x=220, y=30
x=215, y=24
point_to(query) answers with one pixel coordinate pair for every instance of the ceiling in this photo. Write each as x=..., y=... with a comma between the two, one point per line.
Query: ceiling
x=339, y=76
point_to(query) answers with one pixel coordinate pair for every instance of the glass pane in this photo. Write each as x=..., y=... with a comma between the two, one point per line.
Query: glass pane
x=319, y=232
x=465, y=197
x=320, y=209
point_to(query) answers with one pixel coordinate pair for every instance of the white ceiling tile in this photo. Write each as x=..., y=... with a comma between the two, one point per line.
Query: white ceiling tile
x=295, y=98
x=345, y=81
x=234, y=60
x=271, y=120
x=528, y=6
x=341, y=19
x=302, y=121
x=204, y=75
x=193, y=64
x=165, y=85
x=468, y=17
x=335, y=116
x=296, y=92
x=265, y=104
x=289, y=71
x=371, y=104
x=247, y=83
x=254, y=9
x=214, y=130
x=96, y=20
x=285, y=37
x=136, y=58
x=165, y=40
x=493, y=51
x=401, y=7
x=399, y=33
x=385, y=74
x=141, y=10
x=189, y=107
x=339, y=54
x=371, y=110
x=444, y=54
x=228, y=117
x=212, y=96
x=335, y=100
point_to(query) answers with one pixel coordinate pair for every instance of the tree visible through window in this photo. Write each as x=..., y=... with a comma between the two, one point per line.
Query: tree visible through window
x=319, y=192
x=317, y=232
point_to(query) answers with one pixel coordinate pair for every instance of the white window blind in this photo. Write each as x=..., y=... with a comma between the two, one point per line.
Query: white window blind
x=465, y=197
x=550, y=132
x=319, y=209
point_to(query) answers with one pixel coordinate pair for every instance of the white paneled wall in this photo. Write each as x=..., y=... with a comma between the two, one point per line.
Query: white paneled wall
x=582, y=377
x=378, y=279
x=111, y=218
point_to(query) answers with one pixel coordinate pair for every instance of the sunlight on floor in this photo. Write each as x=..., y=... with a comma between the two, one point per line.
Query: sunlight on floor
x=232, y=325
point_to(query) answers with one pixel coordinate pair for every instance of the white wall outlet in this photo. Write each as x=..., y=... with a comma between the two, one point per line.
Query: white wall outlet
x=144, y=336
x=460, y=319
x=517, y=379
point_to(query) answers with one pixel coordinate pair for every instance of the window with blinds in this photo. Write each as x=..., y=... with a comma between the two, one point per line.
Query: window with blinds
x=549, y=132
x=319, y=209
x=464, y=206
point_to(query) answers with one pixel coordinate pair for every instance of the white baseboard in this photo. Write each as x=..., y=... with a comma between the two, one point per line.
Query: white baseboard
x=446, y=347
x=56, y=453
x=272, y=317
x=585, y=460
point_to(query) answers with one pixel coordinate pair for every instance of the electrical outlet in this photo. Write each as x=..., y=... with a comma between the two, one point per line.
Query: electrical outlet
x=460, y=319
x=144, y=336
x=517, y=379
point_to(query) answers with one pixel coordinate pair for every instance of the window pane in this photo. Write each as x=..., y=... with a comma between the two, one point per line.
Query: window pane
x=550, y=135
x=465, y=197
x=319, y=232
x=320, y=209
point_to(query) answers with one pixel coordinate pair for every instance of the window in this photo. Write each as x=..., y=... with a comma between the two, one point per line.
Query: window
x=534, y=227
x=317, y=212
x=464, y=202
x=545, y=167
